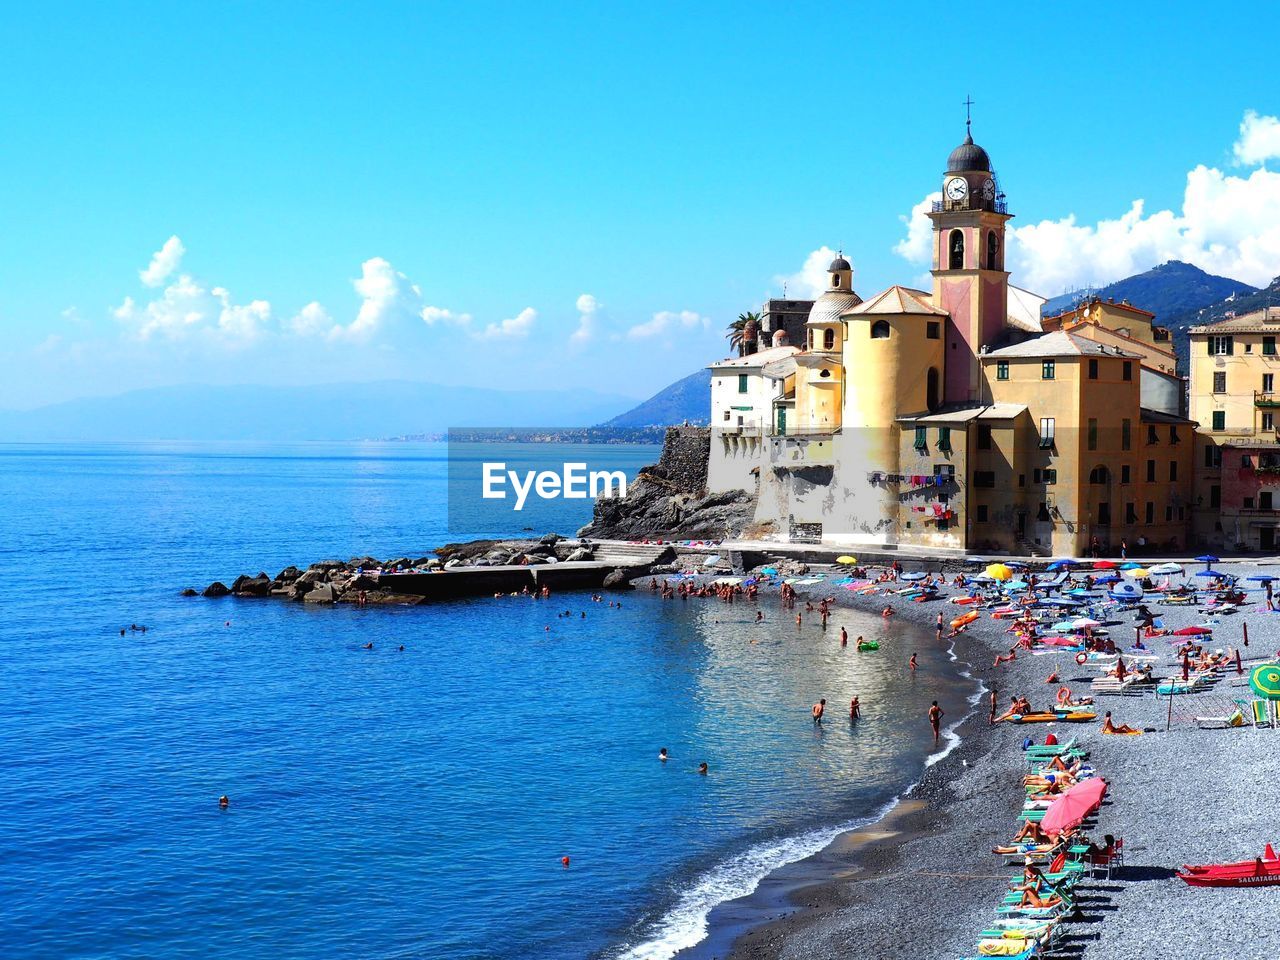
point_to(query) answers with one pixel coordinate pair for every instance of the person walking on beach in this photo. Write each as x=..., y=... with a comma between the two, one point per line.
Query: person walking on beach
x=855, y=710
x=992, y=719
x=818, y=709
x=939, y=626
x=844, y=637
x=912, y=664
x=935, y=721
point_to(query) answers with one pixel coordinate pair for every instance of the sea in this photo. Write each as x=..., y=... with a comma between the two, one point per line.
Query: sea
x=390, y=803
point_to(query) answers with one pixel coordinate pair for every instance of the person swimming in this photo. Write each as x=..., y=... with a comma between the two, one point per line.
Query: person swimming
x=819, y=709
x=702, y=768
x=662, y=754
x=224, y=801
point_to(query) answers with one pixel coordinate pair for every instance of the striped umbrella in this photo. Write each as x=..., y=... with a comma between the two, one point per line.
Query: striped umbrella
x=1264, y=680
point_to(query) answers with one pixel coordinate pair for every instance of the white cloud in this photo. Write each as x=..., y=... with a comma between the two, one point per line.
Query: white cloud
x=126, y=311
x=1227, y=225
x=588, y=320
x=1259, y=139
x=386, y=295
x=434, y=315
x=242, y=323
x=517, y=326
x=312, y=320
x=811, y=279
x=163, y=263
x=666, y=321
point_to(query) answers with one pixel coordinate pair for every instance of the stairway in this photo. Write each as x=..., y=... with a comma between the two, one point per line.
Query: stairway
x=617, y=554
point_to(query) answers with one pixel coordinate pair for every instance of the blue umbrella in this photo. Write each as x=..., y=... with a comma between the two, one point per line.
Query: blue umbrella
x=913, y=576
x=1059, y=602
x=1208, y=558
x=1082, y=592
x=1262, y=578
x=1209, y=573
x=1015, y=565
x=770, y=571
x=1130, y=566
x=1109, y=578
x=1061, y=564
x=976, y=560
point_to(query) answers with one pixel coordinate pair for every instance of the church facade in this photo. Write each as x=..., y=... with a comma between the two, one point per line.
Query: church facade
x=953, y=418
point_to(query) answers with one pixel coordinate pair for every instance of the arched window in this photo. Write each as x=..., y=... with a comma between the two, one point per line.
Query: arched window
x=957, y=250
x=828, y=339
x=931, y=390
x=880, y=330
x=835, y=279
x=1099, y=476
x=780, y=338
x=993, y=251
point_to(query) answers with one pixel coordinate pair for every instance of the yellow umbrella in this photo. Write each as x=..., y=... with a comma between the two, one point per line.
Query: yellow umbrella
x=998, y=571
x=1137, y=574
x=846, y=559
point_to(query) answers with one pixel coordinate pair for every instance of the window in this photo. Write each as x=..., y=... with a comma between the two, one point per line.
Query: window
x=1173, y=470
x=1022, y=479
x=1219, y=420
x=726, y=416
x=742, y=383
x=1268, y=421
x=1151, y=512
x=1130, y=513
x=933, y=389
x=1126, y=434
x=1099, y=476
x=1152, y=436
x=993, y=251
x=1093, y=369
x=1124, y=473
x=1046, y=432
x=933, y=330
x=1035, y=475
x=1264, y=500
x=944, y=438
x=1247, y=503
x=835, y=280
x=880, y=330
x=1128, y=370
x=956, y=246
x=922, y=440
x=1173, y=435
x=984, y=437
x=1168, y=513
x=1246, y=462
x=1221, y=346
x=824, y=374
x=984, y=478
x=1219, y=381
x=1268, y=382
x=1047, y=370
x=1104, y=513
x=1050, y=475
x=1212, y=456
x=1215, y=496
x=982, y=513
x=1151, y=471
x=1268, y=346
x=1093, y=434
x=828, y=339
x=1002, y=369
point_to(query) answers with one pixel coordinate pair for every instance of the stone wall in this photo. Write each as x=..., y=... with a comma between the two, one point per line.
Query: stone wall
x=685, y=453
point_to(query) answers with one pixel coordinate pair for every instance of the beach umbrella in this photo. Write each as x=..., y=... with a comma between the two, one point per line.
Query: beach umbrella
x=1126, y=591
x=1084, y=623
x=1015, y=565
x=1061, y=641
x=1264, y=680
x=1064, y=627
x=1166, y=568
x=846, y=559
x=769, y=571
x=1070, y=809
x=983, y=578
x=1081, y=592
x=976, y=560
x=1262, y=578
x=1207, y=558
x=1059, y=602
x=1137, y=573
x=1016, y=585
x=1108, y=578
x=1131, y=565
x=913, y=576
x=1103, y=565
x=1060, y=565
x=1192, y=632
x=1209, y=573
x=999, y=571
x=711, y=561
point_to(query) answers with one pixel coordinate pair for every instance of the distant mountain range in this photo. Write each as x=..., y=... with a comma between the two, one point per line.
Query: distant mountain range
x=352, y=411
x=688, y=399
x=1168, y=290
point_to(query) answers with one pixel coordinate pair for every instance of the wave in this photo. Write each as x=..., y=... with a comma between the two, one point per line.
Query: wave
x=685, y=924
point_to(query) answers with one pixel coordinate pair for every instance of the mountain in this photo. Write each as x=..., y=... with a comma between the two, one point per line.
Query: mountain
x=349, y=411
x=1234, y=305
x=1168, y=290
x=685, y=400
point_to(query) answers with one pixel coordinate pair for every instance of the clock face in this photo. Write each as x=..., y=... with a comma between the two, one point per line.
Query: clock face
x=957, y=188
x=989, y=189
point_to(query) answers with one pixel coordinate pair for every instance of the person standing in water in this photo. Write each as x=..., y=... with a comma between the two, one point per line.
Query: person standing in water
x=844, y=637
x=818, y=709
x=939, y=626
x=855, y=710
x=912, y=664
x=935, y=721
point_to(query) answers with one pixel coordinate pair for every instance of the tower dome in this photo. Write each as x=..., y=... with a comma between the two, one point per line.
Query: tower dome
x=839, y=263
x=967, y=157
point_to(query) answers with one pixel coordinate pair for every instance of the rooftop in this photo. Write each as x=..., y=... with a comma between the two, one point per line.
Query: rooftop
x=897, y=300
x=1268, y=319
x=829, y=307
x=1058, y=344
x=966, y=413
x=754, y=360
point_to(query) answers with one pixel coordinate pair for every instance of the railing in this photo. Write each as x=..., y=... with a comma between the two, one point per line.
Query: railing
x=1266, y=399
x=805, y=430
x=740, y=430
x=970, y=202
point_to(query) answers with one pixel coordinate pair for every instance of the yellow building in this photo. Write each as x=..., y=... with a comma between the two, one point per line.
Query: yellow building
x=1234, y=399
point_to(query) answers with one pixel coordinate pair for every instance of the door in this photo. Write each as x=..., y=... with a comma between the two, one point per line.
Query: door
x=782, y=421
x=1267, y=539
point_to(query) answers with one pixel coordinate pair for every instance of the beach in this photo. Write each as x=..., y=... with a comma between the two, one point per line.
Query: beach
x=928, y=883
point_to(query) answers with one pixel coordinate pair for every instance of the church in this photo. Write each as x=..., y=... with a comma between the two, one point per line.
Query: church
x=956, y=418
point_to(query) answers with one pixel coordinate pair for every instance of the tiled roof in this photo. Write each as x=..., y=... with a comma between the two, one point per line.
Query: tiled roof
x=965, y=414
x=754, y=360
x=828, y=307
x=896, y=300
x=1267, y=319
x=1059, y=344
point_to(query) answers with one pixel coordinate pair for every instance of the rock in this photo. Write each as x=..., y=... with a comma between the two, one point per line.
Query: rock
x=582, y=553
x=368, y=563
x=533, y=558
x=216, y=589
x=550, y=539
x=423, y=561
x=322, y=594
x=327, y=565
x=617, y=580
x=434, y=564
x=189, y=593
x=259, y=586
x=453, y=564
x=311, y=578
x=288, y=574
x=363, y=582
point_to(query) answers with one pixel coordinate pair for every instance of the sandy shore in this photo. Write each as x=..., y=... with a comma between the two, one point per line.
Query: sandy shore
x=924, y=882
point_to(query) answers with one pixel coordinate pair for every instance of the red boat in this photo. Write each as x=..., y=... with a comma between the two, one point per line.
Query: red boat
x=1260, y=871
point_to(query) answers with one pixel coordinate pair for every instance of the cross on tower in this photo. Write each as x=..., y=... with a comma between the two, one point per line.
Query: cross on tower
x=968, y=118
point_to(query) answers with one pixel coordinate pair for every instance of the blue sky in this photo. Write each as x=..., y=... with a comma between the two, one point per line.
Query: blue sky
x=451, y=193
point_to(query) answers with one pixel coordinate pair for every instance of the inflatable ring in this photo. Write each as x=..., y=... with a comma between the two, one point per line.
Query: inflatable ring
x=1064, y=694
x=1082, y=658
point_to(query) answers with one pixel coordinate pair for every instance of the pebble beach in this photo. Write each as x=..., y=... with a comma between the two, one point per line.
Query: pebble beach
x=926, y=882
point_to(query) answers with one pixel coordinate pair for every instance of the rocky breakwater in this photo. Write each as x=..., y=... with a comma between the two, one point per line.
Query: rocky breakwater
x=367, y=580
x=669, y=500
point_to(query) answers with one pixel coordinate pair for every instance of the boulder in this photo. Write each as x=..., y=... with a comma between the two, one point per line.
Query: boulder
x=327, y=565
x=582, y=553
x=216, y=589
x=617, y=580
x=533, y=558
x=550, y=539
x=454, y=564
x=288, y=574
x=311, y=578
x=363, y=582
x=368, y=563
x=322, y=594
x=189, y=593
x=423, y=561
x=259, y=586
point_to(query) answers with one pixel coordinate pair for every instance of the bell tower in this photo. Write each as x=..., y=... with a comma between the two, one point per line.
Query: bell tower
x=969, y=278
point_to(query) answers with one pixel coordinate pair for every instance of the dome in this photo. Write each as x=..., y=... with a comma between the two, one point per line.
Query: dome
x=839, y=263
x=829, y=307
x=968, y=156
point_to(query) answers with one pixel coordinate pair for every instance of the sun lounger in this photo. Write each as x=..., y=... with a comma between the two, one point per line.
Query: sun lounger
x=1234, y=719
x=1261, y=712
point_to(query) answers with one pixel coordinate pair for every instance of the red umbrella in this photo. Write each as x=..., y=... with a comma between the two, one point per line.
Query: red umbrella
x=1192, y=632
x=1073, y=806
x=1103, y=565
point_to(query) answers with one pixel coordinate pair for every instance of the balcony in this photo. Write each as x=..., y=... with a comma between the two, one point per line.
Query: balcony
x=1266, y=399
x=970, y=202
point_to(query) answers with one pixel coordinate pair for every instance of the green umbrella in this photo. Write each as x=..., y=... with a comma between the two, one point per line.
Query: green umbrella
x=1265, y=681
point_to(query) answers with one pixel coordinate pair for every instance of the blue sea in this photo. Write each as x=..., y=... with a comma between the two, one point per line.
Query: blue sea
x=384, y=803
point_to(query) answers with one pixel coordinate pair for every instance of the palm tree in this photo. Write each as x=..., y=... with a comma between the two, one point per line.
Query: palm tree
x=737, y=329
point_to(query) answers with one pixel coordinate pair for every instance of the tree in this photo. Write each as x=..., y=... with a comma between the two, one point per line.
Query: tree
x=737, y=329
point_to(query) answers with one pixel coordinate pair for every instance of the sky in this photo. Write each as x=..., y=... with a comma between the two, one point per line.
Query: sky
x=577, y=196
